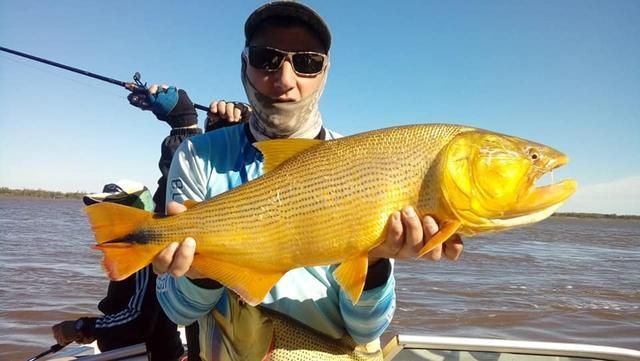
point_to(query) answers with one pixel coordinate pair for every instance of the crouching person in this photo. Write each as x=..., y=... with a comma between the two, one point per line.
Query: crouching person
x=131, y=313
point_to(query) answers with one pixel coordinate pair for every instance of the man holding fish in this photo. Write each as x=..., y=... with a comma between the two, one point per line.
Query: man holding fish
x=284, y=69
x=295, y=229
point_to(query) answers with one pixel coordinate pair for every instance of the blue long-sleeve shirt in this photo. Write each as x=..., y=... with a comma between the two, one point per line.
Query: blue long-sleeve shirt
x=215, y=162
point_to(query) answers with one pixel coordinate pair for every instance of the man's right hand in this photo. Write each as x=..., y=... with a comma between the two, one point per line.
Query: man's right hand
x=222, y=113
x=177, y=258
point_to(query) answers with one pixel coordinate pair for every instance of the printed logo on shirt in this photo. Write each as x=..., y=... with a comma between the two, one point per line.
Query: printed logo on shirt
x=162, y=283
x=176, y=186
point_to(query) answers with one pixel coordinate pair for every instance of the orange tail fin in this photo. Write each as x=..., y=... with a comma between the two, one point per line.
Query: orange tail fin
x=121, y=260
x=110, y=222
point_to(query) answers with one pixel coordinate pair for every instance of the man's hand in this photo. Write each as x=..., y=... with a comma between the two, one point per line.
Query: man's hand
x=65, y=333
x=177, y=258
x=168, y=103
x=407, y=234
x=222, y=113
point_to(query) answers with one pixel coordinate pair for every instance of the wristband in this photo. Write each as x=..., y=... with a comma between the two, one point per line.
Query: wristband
x=205, y=283
x=378, y=274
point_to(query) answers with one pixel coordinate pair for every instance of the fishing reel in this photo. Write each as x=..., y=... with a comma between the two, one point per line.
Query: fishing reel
x=140, y=95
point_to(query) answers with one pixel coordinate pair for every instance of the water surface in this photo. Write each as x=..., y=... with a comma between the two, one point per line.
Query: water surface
x=563, y=280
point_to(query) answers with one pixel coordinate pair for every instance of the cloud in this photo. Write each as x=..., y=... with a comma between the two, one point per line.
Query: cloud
x=620, y=196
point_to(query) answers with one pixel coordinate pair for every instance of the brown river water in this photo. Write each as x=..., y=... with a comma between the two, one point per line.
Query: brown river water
x=562, y=280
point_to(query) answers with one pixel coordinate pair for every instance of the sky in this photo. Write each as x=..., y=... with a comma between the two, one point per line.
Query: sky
x=563, y=73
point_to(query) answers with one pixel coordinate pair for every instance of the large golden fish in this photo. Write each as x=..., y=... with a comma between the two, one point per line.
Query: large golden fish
x=327, y=202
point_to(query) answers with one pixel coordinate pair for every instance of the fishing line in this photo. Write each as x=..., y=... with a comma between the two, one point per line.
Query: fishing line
x=137, y=86
x=60, y=75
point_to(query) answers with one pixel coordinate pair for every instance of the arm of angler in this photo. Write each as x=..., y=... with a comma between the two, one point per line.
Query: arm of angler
x=371, y=316
x=183, y=301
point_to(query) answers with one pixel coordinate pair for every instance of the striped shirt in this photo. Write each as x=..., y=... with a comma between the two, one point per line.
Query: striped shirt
x=134, y=306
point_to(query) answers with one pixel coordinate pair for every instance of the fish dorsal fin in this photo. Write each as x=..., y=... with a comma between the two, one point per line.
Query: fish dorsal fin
x=190, y=203
x=276, y=151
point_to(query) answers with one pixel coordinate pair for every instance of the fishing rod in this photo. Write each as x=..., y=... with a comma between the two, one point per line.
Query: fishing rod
x=136, y=87
x=53, y=349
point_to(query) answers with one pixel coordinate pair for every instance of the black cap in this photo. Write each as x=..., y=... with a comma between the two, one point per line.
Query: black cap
x=288, y=9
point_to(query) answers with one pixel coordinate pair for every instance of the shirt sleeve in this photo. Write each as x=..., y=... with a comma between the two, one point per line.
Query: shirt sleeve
x=182, y=301
x=187, y=178
x=133, y=320
x=369, y=318
x=167, y=149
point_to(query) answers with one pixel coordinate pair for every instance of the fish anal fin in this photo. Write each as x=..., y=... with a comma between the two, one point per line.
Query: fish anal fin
x=447, y=229
x=250, y=284
x=121, y=260
x=351, y=275
x=276, y=151
x=190, y=203
x=111, y=221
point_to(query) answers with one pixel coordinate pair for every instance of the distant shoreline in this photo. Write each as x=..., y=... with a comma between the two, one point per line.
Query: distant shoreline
x=43, y=194
x=38, y=193
x=595, y=215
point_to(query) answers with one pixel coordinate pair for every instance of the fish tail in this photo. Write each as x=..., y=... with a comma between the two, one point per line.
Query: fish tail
x=111, y=221
x=121, y=260
x=112, y=224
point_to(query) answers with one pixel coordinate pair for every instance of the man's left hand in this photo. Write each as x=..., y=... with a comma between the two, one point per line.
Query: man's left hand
x=222, y=113
x=407, y=233
x=65, y=332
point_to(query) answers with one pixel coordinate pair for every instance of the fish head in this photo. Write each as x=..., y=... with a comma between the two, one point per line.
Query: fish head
x=489, y=181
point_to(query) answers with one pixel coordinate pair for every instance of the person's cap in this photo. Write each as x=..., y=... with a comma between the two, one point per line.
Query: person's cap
x=125, y=192
x=288, y=9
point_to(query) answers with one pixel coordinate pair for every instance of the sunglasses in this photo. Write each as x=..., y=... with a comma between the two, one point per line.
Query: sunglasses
x=305, y=63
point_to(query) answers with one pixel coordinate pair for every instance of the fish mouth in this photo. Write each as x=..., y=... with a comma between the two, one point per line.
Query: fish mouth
x=541, y=198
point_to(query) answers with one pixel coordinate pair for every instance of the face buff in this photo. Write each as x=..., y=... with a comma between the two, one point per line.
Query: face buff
x=273, y=120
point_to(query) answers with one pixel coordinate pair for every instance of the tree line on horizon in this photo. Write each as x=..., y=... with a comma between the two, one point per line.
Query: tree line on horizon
x=595, y=215
x=39, y=193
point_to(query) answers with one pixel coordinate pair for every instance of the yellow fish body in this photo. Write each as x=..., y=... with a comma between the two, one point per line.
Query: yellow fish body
x=328, y=202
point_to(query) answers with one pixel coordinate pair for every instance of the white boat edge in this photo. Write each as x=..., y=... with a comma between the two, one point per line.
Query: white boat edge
x=91, y=352
x=400, y=342
x=409, y=342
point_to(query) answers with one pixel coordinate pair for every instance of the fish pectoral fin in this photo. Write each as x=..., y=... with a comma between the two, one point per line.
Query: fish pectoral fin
x=351, y=275
x=276, y=151
x=447, y=229
x=250, y=284
x=111, y=221
x=121, y=260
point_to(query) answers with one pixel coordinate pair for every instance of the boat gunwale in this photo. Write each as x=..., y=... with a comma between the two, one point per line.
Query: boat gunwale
x=609, y=353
